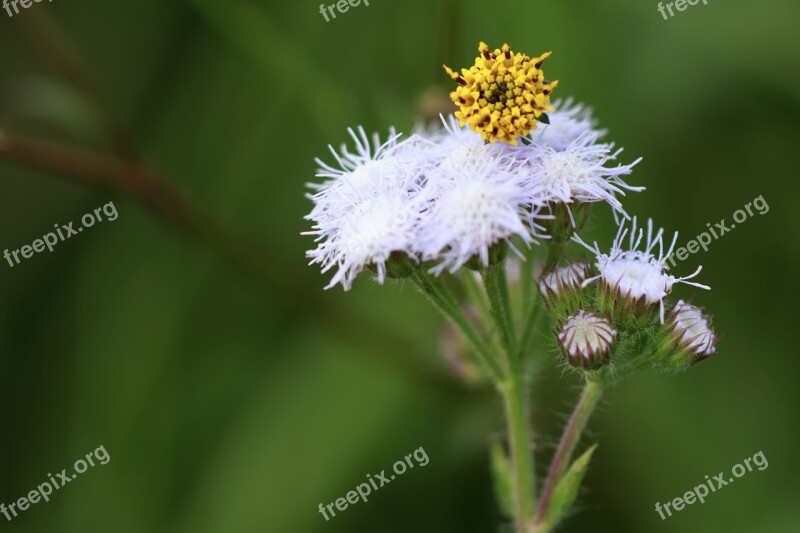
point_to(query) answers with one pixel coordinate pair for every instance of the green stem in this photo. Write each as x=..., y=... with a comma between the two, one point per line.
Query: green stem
x=530, y=326
x=444, y=301
x=566, y=447
x=554, y=252
x=514, y=395
x=494, y=279
x=526, y=284
x=477, y=295
x=519, y=440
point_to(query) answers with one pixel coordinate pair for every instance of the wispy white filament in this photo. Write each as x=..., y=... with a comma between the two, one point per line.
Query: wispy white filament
x=638, y=273
x=569, y=123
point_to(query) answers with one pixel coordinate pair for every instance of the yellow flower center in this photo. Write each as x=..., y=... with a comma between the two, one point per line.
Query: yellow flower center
x=503, y=95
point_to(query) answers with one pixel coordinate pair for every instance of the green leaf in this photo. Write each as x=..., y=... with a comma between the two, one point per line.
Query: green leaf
x=567, y=488
x=501, y=478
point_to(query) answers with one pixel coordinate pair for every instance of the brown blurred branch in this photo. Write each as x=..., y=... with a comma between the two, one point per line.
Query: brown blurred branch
x=55, y=52
x=142, y=184
x=150, y=189
x=125, y=173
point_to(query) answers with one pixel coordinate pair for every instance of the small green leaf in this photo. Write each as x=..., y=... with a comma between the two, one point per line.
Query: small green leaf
x=544, y=119
x=501, y=478
x=567, y=488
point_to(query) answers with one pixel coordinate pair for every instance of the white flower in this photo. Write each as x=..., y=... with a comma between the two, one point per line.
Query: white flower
x=569, y=123
x=567, y=162
x=467, y=215
x=472, y=201
x=366, y=210
x=638, y=275
x=694, y=329
x=586, y=339
x=357, y=173
x=576, y=173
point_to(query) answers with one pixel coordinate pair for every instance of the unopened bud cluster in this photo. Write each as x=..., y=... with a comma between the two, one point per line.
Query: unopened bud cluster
x=624, y=317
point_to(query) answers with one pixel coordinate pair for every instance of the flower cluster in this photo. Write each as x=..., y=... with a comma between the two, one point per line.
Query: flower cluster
x=446, y=196
x=450, y=196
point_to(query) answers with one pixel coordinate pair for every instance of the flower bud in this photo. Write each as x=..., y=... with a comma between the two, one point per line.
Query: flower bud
x=562, y=290
x=586, y=339
x=686, y=338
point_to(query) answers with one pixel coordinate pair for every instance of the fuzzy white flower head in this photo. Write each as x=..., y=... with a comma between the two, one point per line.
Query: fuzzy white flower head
x=638, y=275
x=694, y=329
x=365, y=211
x=453, y=145
x=569, y=123
x=586, y=339
x=357, y=174
x=577, y=173
x=459, y=149
x=473, y=200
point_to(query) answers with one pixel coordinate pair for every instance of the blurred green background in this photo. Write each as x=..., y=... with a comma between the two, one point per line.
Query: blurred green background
x=238, y=400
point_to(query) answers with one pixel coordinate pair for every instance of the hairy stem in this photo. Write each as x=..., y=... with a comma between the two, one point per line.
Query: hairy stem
x=529, y=326
x=556, y=250
x=526, y=282
x=478, y=297
x=444, y=301
x=566, y=447
x=519, y=440
x=515, y=398
x=494, y=278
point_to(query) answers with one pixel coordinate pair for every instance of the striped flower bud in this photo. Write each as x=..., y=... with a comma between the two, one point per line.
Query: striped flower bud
x=686, y=338
x=586, y=339
x=562, y=288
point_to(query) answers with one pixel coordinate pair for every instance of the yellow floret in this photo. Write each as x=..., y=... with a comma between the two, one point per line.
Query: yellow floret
x=503, y=95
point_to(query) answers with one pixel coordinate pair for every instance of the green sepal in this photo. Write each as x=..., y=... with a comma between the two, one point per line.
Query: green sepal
x=399, y=266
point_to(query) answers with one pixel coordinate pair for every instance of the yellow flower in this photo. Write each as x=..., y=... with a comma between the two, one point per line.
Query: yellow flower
x=503, y=95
